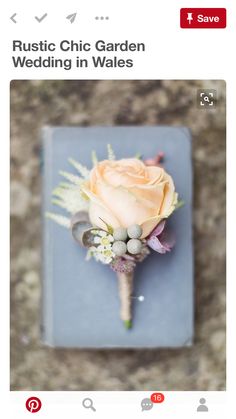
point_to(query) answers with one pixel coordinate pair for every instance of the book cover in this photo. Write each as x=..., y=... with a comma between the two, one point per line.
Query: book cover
x=80, y=299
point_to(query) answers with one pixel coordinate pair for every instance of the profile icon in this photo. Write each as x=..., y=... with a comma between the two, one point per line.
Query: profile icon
x=202, y=407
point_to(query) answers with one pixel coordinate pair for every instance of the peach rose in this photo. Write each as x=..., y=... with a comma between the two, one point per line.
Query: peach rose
x=125, y=192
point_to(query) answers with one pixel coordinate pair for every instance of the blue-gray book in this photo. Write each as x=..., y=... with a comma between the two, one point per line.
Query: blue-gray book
x=80, y=298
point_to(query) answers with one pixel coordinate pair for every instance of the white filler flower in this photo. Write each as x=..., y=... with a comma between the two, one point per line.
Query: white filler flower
x=100, y=254
x=103, y=239
x=102, y=251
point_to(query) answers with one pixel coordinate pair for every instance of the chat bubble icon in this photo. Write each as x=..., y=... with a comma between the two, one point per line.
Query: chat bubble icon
x=146, y=404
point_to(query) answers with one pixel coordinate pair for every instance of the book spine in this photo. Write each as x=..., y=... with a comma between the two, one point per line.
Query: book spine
x=47, y=244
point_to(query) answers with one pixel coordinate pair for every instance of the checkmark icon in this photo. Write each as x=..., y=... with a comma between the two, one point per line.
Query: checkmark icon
x=40, y=19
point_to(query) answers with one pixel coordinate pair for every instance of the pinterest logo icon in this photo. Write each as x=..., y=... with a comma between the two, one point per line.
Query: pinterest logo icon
x=33, y=404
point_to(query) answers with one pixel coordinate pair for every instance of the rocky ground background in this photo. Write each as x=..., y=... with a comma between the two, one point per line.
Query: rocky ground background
x=38, y=103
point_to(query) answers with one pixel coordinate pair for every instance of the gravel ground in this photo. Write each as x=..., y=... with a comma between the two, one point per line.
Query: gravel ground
x=36, y=103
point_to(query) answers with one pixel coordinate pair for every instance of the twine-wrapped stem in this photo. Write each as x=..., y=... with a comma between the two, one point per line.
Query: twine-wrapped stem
x=125, y=281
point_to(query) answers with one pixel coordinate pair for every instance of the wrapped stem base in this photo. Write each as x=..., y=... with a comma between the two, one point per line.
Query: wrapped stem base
x=125, y=282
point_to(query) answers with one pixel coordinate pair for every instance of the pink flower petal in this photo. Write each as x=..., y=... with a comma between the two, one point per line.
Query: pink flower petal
x=167, y=240
x=158, y=229
x=156, y=245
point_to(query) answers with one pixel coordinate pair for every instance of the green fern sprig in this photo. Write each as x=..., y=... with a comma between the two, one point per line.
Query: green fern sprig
x=59, y=219
x=110, y=152
x=84, y=172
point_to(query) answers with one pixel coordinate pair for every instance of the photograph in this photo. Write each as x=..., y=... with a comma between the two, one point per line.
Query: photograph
x=118, y=195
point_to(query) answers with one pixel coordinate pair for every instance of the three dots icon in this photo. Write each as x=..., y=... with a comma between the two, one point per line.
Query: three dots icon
x=101, y=17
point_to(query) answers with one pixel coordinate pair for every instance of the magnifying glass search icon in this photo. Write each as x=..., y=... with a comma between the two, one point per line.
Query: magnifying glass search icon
x=88, y=404
x=206, y=99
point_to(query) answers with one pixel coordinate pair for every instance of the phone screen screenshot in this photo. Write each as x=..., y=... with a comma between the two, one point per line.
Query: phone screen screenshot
x=117, y=121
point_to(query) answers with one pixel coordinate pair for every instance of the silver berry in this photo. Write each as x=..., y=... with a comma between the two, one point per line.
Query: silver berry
x=134, y=246
x=119, y=248
x=135, y=231
x=120, y=233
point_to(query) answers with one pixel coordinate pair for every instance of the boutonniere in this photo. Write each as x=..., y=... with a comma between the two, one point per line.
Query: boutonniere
x=118, y=210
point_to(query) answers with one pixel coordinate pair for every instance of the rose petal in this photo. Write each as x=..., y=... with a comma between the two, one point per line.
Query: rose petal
x=156, y=174
x=169, y=192
x=150, y=195
x=123, y=204
x=150, y=162
x=123, y=172
x=99, y=214
x=126, y=192
x=149, y=225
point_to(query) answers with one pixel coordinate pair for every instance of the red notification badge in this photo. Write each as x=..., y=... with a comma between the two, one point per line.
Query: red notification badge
x=157, y=397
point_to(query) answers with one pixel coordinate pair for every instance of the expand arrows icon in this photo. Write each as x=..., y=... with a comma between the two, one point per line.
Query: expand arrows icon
x=71, y=17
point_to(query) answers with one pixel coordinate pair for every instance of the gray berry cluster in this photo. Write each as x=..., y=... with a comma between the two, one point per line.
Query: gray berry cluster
x=127, y=240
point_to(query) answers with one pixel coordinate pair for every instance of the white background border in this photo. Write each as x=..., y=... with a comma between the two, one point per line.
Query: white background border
x=172, y=53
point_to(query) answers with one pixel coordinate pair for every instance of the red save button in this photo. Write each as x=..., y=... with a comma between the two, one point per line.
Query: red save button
x=202, y=18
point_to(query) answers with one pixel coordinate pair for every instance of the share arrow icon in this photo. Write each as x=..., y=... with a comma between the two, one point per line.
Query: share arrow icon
x=71, y=17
